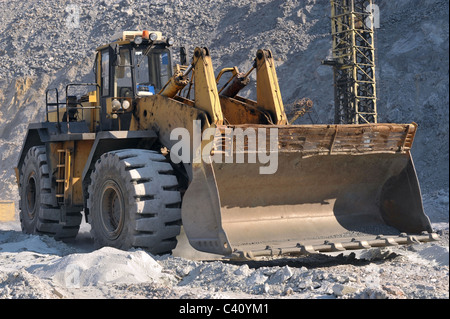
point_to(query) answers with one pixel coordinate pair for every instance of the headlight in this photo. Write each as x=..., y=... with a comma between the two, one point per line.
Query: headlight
x=126, y=104
x=153, y=36
x=170, y=41
x=116, y=105
x=138, y=40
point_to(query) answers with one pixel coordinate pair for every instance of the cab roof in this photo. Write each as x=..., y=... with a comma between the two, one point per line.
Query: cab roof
x=126, y=37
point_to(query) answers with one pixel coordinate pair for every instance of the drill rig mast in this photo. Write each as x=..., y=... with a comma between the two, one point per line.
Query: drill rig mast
x=353, y=61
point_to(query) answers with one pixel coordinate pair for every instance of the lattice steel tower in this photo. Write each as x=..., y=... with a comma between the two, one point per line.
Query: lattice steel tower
x=353, y=61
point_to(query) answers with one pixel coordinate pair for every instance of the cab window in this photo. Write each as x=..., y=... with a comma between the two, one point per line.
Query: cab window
x=153, y=70
x=105, y=73
x=123, y=84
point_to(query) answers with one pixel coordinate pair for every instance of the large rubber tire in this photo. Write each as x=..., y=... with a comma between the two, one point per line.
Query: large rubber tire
x=39, y=210
x=134, y=202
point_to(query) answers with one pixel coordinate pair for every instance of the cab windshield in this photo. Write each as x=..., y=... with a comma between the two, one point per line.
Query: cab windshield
x=152, y=69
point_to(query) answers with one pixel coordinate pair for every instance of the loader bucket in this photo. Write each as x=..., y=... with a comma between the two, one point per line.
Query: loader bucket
x=336, y=187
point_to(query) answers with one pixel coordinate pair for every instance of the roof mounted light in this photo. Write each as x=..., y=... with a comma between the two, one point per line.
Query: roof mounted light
x=153, y=36
x=138, y=40
x=170, y=41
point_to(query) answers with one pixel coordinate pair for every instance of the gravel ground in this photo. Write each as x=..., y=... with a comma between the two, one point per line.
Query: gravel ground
x=40, y=267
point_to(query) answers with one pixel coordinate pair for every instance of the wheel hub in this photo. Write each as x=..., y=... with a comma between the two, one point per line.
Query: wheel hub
x=31, y=196
x=112, y=210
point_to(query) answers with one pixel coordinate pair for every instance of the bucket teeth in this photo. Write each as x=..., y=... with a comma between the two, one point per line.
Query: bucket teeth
x=302, y=249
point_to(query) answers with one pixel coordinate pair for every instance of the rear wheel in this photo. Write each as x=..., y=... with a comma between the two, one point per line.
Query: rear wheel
x=134, y=201
x=39, y=211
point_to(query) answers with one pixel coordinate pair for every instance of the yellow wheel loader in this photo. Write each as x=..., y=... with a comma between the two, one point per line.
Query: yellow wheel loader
x=142, y=159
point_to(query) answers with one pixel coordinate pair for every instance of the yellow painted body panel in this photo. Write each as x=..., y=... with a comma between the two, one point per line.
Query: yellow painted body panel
x=7, y=211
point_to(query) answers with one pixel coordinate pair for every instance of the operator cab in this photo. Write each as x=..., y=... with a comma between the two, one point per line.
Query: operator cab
x=136, y=64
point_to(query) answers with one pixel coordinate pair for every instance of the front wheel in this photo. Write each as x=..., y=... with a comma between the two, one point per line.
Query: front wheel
x=134, y=201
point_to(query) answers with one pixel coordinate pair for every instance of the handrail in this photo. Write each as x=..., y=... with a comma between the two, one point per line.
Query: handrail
x=52, y=104
x=66, y=103
x=80, y=84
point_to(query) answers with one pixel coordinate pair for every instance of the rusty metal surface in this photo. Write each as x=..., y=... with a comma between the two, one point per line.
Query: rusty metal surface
x=236, y=112
x=239, y=82
x=331, y=182
x=328, y=246
x=337, y=139
x=299, y=108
